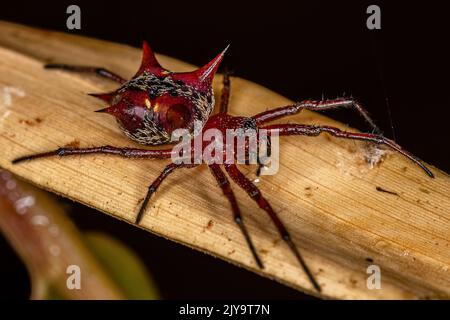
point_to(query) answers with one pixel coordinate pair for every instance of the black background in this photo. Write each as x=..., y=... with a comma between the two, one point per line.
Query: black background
x=306, y=50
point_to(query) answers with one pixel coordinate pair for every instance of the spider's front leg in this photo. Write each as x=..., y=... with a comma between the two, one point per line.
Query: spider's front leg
x=224, y=184
x=254, y=193
x=122, y=152
x=87, y=69
x=310, y=130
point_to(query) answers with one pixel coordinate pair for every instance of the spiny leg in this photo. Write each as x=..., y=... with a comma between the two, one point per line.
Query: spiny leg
x=310, y=130
x=123, y=152
x=224, y=184
x=155, y=184
x=313, y=105
x=256, y=195
x=87, y=69
x=225, y=95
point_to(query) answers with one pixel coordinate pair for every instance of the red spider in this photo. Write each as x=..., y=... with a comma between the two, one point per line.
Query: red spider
x=155, y=102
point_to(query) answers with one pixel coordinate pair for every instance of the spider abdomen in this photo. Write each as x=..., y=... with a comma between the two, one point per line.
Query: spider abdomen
x=155, y=102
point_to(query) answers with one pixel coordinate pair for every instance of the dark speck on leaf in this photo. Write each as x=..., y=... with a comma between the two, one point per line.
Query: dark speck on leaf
x=386, y=191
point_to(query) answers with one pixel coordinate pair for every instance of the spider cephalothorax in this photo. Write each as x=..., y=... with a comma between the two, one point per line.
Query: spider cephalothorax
x=155, y=102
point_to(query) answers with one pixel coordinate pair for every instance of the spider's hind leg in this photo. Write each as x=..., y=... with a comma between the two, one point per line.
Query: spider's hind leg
x=122, y=152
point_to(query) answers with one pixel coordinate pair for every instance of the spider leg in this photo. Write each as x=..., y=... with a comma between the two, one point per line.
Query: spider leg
x=87, y=69
x=224, y=184
x=313, y=105
x=310, y=130
x=268, y=153
x=155, y=184
x=259, y=163
x=122, y=152
x=256, y=195
x=225, y=95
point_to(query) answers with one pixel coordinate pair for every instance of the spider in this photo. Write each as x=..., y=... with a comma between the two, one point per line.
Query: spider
x=156, y=101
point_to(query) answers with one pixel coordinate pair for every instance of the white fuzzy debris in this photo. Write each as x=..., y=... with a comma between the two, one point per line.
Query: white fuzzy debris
x=359, y=159
x=374, y=155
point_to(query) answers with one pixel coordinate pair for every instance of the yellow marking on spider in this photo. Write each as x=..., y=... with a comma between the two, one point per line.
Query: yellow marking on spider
x=148, y=104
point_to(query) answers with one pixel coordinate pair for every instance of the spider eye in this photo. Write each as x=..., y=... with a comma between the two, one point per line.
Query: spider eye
x=178, y=116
